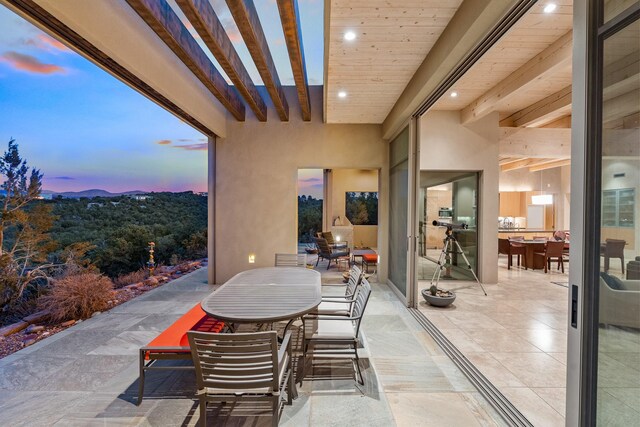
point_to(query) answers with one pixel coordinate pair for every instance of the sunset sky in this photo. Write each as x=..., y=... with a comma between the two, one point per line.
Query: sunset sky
x=85, y=129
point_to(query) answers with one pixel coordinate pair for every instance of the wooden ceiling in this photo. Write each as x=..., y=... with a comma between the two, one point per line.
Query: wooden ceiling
x=529, y=39
x=392, y=40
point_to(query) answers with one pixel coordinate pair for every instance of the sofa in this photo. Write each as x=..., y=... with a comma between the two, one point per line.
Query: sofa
x=620, y=302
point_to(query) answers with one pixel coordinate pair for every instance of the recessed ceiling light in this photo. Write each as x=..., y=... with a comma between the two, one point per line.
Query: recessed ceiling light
x=342, y=94
x=550, y=8
x=454, y=94
x=349, y=36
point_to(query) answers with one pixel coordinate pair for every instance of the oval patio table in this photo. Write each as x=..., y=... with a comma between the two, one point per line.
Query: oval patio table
x=265, y=295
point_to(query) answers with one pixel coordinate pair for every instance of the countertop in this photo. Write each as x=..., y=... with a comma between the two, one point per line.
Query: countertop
x=524, y=230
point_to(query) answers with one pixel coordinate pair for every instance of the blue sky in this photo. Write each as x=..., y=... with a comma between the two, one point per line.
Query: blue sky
x=85, y=129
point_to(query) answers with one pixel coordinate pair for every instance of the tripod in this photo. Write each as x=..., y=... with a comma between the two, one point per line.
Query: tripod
x=449, y=242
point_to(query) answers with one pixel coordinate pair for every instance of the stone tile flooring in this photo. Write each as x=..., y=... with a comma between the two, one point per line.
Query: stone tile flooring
x=517, y=337
x=87, y=375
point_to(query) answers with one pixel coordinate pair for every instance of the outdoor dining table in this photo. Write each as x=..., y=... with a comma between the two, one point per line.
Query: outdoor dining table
x=265, y=295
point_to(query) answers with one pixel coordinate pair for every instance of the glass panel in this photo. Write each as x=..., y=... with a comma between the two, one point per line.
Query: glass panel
x=619, y=282
x=613, y=8
x=398, y=210
x=447, y=197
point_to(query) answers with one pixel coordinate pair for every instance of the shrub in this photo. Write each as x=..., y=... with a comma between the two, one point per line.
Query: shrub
x=77, y=296
x=130, y=278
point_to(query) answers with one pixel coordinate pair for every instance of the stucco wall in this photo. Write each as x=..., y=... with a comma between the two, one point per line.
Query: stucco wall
x=445, y=144
x=256, y=172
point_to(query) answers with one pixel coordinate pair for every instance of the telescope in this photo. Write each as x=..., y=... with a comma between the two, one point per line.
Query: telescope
x=461, y=226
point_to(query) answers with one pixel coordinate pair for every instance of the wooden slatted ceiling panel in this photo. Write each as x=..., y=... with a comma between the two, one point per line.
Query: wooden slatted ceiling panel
x=535, y=32
x=393, y=38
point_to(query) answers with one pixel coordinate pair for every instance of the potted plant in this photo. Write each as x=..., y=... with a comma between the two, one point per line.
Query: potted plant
x=438, y=297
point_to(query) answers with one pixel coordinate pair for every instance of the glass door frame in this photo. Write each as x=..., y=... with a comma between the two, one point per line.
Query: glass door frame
x=590, y=31
x=413, y=175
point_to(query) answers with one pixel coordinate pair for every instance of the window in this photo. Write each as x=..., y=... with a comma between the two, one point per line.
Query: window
x=618, y=207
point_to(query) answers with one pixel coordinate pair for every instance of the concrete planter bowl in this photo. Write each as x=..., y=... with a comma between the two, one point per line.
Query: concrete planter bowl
x=438, y=300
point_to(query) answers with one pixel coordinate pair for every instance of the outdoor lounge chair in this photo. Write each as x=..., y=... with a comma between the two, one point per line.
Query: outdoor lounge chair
x=245, y=373
x=291, y=260
x=338, y=337
x=327, y=252
x=328, y=235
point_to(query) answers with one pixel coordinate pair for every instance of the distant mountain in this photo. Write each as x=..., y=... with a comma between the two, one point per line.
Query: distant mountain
x=91, y=193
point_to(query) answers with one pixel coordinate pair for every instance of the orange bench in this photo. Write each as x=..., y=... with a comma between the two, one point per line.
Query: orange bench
x=369, y=259
x=173, y=344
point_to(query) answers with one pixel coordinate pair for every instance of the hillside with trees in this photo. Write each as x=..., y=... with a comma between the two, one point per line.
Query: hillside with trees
x=75, y=247
x=120, y=228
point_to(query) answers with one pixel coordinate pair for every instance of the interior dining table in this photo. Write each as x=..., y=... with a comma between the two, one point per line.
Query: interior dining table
x=532, y=246
x=266, y=295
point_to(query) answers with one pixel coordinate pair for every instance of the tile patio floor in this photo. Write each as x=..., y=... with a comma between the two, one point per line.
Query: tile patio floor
x=87, y=375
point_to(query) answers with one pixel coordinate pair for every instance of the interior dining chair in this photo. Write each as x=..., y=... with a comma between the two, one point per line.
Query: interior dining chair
x=245, y=373
x=291, y=260
x=520, y=250
x=554, y=250
x=613, y=248
x=338, y=337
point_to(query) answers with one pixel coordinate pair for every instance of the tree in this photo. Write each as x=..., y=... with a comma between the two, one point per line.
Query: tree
x=20, y=188
x=24, y=238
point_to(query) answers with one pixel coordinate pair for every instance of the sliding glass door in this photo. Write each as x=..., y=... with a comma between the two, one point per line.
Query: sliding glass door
x=402, y=176
x=607, y=317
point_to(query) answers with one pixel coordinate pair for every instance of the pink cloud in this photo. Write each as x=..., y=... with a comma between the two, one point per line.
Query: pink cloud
x=53, y=43
x=192, y=147
x=164, y=142
x=30, y=64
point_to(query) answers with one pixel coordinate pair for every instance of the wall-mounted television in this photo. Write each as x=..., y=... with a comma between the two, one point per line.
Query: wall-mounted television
x=361, y=207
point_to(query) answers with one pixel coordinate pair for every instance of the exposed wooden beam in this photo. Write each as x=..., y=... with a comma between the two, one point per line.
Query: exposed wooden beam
x=550, y=165
x=166, y=24
x=542, y=112
x=246, y=17
x=524, y=163
x=554, y=57
x=535, y=142
x=290, y=18
x=208, y=26
x=507, y=160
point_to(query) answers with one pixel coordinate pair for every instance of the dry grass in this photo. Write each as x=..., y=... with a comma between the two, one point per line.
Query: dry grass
x=77, y=296
x=131, y=278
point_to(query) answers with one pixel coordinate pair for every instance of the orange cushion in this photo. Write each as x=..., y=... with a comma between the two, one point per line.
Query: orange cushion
x=370, y=258
x=176, y=334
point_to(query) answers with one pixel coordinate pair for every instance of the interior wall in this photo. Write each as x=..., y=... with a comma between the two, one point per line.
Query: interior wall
x=256, y=180
x=555, y=181
x=446, y=144
x=631, y=179
x=344, y=180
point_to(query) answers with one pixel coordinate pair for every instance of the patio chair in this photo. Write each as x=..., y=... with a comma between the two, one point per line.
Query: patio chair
x=328, y=235
x=553, y=249
x=291, y=260
x=613, y=248
x=333, y=331
x=327, y=252
x=238, y=370
x=341, y=305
